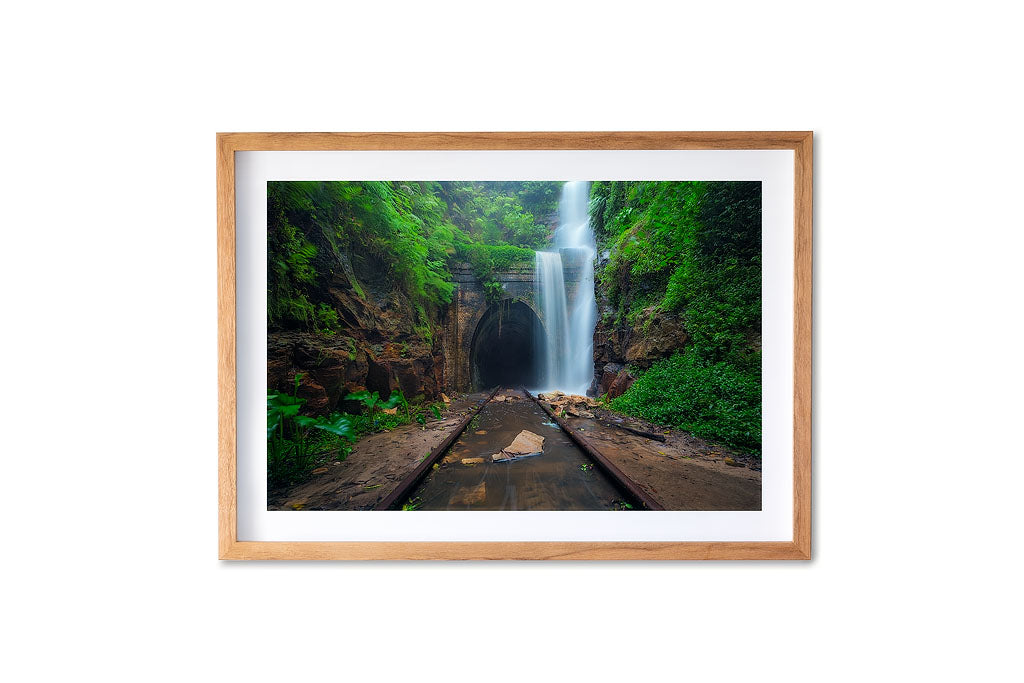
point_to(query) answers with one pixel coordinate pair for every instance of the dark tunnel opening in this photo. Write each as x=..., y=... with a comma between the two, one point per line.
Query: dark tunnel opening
x=505, y=349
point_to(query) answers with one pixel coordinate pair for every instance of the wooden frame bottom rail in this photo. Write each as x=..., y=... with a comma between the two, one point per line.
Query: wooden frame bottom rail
x=504, y=550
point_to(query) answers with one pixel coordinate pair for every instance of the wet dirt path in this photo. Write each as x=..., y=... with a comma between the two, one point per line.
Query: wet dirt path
x=683, y=473
x=561, y=478
x=376, y=465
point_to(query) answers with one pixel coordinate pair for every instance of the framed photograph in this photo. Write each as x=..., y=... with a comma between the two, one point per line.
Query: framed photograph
x=514, y=345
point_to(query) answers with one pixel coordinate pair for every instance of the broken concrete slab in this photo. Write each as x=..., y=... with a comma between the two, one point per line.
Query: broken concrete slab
x=524, y=445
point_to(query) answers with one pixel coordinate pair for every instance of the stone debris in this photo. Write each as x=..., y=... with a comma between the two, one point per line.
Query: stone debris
x=470, y=496
x=524, y=445
x=550, y=396
x=569, y=405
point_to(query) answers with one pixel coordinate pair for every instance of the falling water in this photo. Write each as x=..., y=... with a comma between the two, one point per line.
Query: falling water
x=568, y=363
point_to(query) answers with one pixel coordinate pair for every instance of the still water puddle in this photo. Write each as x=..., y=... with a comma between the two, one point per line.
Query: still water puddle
x=560, y=478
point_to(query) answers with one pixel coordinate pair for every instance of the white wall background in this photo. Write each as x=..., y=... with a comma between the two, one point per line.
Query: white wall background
x=108, y=283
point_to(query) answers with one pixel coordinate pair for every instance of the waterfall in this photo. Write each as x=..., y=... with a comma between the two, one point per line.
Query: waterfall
x=568, y=363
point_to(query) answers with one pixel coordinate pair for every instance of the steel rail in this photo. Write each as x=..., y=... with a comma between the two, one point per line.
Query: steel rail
x=626, y=484
x=406, y=486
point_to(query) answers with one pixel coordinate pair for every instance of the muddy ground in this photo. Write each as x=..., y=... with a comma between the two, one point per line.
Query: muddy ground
x=375, y=466
x=683, y=473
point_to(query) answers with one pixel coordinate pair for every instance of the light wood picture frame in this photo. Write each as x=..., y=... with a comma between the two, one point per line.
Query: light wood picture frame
x=230, y=548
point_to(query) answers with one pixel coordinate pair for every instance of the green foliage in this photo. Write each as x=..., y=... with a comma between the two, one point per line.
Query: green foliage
x=487, y=260
x=692, y=249
x=503, y=212
x=714, y=401
x=373, y=403
x=289, y=272
x=365, y=397
x=313, y=228
x=493, y=291
x=374, y=419
x=409, y=230
x=295, y=443
x=325, y=319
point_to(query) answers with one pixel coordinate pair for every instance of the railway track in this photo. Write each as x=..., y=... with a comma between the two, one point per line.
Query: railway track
x=629, y=489
x=412, y=480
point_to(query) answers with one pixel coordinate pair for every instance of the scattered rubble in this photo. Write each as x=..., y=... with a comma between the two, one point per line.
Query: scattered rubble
x=569, y=405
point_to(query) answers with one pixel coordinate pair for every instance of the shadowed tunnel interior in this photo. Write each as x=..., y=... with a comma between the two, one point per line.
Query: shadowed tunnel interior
x=506, y=347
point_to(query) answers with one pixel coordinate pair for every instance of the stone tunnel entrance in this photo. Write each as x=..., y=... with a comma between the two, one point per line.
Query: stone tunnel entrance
x=506, y=347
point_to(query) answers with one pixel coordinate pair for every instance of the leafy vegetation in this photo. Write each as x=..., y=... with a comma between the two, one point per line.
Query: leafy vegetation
x=314, y=226
x=296, y=443
x=413, y=230
x=489, y=259
x=716, y=401
x=503, y=212
x=692, y=249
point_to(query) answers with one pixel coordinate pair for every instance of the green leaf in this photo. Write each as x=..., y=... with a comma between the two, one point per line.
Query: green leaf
x=339, y=426
x=397, y=398
x=284, y=400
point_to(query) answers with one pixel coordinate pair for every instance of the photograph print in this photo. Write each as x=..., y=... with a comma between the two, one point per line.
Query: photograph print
x=536, y=345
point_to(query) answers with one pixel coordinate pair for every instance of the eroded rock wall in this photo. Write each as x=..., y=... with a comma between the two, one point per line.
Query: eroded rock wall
x=621, y=349
x=375, y=346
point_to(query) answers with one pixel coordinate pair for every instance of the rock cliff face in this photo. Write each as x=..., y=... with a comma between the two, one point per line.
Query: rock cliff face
x=657, y=336
x=373, y=349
